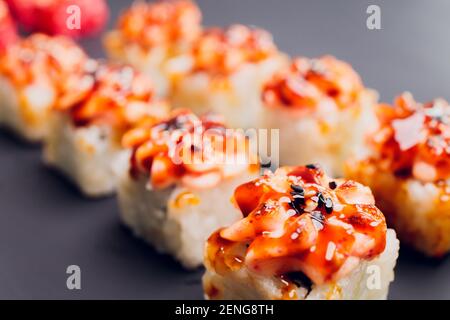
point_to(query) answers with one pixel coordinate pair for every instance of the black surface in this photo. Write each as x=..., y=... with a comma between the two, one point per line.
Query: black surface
x=45, y=225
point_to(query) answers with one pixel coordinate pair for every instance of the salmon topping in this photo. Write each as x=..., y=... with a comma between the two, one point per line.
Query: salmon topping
x=414, y=139
x=220, y=51
x=309, y=83
x=118, y=96
x=299, y=220
x=188, y=150
x=161, y=22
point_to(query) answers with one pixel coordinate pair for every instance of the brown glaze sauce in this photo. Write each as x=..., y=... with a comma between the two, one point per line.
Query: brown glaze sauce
x=414, y=139
x=311, y=82
x=321, y=233
x=186, y=149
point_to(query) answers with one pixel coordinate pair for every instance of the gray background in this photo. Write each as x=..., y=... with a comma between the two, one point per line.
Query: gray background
x=45, y=225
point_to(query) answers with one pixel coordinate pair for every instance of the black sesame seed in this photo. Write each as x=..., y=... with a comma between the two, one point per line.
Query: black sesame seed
x=321, y=199
x=312, y=166
x=332, y=185
x=298, y=189
x=328, y=205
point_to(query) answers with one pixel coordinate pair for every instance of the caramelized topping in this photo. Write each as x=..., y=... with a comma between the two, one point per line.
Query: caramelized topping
x=115, y=95
x=311, y=82
x=414, y=139
x=185, y=149
x=221, y=51
x=41, y=57
x=295, y=222
x=162, y=22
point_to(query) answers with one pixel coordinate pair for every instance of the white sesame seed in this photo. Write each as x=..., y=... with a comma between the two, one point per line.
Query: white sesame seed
x=330, y=251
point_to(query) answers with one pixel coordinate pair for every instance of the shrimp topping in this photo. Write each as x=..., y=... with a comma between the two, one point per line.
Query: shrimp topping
x=187, y=150
x=414, y=139
x=310, y=82
x=118, y=96
x=220, y=51
x=162, y=22
x=299, y=220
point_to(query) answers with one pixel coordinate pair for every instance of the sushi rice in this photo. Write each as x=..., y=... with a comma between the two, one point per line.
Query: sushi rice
x=85, y=131
x=30, y=73
x=227, y=71
x=304, y=236
x=175, y=206
x=322, y=111
x=408, y=170
x=166, y=31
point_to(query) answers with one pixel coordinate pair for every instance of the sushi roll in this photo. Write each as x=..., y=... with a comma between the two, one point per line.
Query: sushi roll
x=227, y=70
x=303, y=236
x=152, y=36
x=322, y=105
x=87, y=125
x=181, y=177
x=408, y=170
x=31, y=72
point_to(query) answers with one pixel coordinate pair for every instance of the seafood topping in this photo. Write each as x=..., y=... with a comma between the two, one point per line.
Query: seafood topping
x=117, y=96
x=295, y=222
x=223, y=51
x=188, y=150
x=310, y=82
x=414, y=139
x=162, y=22
x=41, y=57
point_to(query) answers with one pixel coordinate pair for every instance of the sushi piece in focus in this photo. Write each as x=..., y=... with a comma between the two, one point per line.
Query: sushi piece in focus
x=86, y=127
x=303, y=236
x=322, y=110
x=31, y=72
x=227, y=70
x=8, y=29
x=408, y=170
x=151, y=36
x=181, y=178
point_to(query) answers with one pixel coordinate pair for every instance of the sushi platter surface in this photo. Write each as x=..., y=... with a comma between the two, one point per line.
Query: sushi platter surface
x=47, y=225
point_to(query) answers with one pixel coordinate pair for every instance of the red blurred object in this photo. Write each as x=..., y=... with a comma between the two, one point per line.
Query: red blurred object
x=8, y=30
x=74, y=18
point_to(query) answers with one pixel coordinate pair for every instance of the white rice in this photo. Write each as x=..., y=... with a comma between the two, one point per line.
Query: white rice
x=419, y=212
x=360, y=284
x=172, y=226
x=27, y=114
x=89, y=156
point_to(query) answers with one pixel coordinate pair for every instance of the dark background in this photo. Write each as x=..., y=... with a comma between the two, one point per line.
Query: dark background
x=45, y=225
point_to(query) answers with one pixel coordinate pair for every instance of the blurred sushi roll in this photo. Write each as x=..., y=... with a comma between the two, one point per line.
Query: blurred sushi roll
x=322, y=110
x=181, y=177
x=303, y=236
x=227, y=70
x=86, y=127
x=8, y=29
x=31, y=72
x=408, y=170
x=151, y=37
